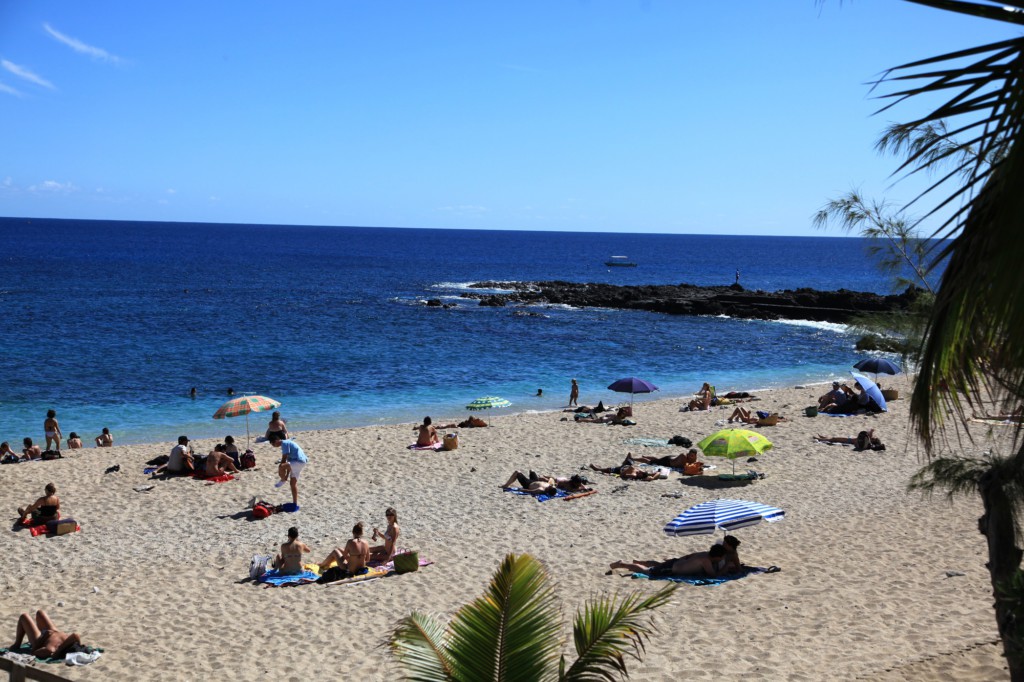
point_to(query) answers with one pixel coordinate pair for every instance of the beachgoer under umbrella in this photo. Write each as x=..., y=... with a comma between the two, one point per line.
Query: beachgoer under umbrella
x=698, y=564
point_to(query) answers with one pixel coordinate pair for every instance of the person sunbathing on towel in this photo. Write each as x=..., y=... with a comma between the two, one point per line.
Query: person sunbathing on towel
x=533, y=484
x=289, y=561
x=46, y=508
x=619, y=417
x=30, y=451
x=628, y=471
x=43, y=636
x=697, y=565
x=730, y=563
x=218, y=463
x=355, y=555
x=865, y=440
x=675, y=461
x=472, y=422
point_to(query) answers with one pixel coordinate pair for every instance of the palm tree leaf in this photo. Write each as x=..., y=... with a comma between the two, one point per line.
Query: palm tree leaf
x=512, y=631
x=974, y=9
x=607, y=629
x=418, y=643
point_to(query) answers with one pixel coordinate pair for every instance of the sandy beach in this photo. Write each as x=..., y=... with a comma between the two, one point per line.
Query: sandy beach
x=159, y=578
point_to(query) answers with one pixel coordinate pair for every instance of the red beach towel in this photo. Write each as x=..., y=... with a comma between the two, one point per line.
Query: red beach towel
x=223, y=478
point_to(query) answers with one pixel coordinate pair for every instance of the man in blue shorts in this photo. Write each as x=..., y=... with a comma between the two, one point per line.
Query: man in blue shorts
x=293, y=459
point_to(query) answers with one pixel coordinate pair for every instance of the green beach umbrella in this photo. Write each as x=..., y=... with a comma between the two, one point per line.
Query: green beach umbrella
x=487, y=403
x=733, y=443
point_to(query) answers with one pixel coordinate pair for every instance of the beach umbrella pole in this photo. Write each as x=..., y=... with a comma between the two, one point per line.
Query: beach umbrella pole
x=246, y=430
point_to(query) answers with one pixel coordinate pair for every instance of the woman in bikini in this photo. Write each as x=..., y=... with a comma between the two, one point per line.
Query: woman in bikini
x=427, y=433
x=277, y=427
x=386, y=552
x=74, y=442
x=46, y=508
x=52, y=431
x=105, y=439
x=289, y=561
x=43, y=636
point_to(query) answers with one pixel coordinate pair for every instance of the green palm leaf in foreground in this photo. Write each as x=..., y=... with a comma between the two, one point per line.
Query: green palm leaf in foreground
x=512, y=632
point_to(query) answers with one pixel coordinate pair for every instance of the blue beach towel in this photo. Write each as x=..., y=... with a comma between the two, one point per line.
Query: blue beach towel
x=272, y=577
x=539, y=498
x=695, y=580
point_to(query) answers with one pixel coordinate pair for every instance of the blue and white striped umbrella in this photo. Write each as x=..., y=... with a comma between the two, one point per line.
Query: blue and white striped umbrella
x=706, y=517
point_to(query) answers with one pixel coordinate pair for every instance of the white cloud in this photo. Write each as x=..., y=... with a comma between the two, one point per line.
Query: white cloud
x=9, y=90
x=52, y=186
x=214, y=198
x=172, y=191
x=22, y=72
x=82, y=48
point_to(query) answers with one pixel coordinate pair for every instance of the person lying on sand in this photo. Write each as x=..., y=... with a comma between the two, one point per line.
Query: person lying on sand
x=289, y=561
x=472, y=422
x=619, y=417
x=865, y=440
x=218, y=463
x=45, y=508
x=698, y=564
x=1015, y=416
x=537, y=484
x=730, y=563
x=533, y=484
x=675, y=461
x=748, y=417
x=43, y=636
x=386, y=552
x=629, y=472
x=353, y=558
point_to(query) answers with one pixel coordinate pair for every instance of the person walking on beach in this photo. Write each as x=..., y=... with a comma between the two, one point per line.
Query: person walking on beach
x=574, y=394
x=52, y=431
x=293, y=460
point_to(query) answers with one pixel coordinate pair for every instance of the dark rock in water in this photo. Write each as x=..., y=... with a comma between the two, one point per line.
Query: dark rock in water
x=448, y=306
x=434, y=303
x=528, y=313
x=688, y=299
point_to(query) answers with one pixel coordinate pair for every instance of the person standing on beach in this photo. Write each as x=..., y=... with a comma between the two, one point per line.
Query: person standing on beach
x=293, y=460
x=574, y=394
x=52, y=430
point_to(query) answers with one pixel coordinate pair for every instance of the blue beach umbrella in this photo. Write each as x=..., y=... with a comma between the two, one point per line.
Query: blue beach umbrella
x=871, y=389
x=705, y=518
x=877, y=366
x=632, y=385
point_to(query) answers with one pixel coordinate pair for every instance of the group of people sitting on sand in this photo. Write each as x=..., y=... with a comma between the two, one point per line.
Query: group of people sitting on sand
x=224, y=458
x=720, y=559
x=351, y=560
x=845, y=400
x=31, y=451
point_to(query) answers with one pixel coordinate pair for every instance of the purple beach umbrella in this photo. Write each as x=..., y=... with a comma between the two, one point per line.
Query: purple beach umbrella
x=632, y=385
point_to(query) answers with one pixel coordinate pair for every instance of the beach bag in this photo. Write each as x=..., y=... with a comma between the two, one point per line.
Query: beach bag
x=51, y=454
x=451, y=441
x=10, y=458
x=65, y=526
x=890, y=394
x=407, y=562
x=258, y=566
x=248, y=460
x=811, y=411
x=261, y=510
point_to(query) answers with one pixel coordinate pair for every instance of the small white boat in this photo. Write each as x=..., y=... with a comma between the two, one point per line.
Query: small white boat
x=620, y=262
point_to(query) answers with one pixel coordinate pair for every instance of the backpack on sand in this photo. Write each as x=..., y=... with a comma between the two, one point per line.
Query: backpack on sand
x=258, y=566
x=248, y=460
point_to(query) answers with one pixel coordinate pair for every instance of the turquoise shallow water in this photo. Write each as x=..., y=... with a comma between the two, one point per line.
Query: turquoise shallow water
x=111, y=323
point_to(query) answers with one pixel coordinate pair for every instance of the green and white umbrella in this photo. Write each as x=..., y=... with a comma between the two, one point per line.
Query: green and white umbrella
x=488, y=403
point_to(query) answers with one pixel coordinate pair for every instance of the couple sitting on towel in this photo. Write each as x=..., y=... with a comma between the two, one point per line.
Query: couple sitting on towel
x=546, y=485
x=351, y=560
x=720, y=559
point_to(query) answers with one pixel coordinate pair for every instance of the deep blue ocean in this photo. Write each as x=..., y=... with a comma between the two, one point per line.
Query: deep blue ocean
x=111, y=323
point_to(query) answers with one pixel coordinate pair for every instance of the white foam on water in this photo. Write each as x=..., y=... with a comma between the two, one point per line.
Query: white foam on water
x=465, y=286
x=835, y=327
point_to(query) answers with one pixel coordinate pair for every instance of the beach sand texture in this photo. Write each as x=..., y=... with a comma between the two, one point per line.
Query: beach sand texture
x=862, y=594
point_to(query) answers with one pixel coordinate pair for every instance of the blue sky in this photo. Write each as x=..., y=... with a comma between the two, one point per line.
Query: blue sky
x=579, y=115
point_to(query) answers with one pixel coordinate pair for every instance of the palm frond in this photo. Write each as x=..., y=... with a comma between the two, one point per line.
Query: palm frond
x=512, y=631
x=972, y=347
x=605, y=630
x=418, y=643
x=996, y=12
x=958, y=476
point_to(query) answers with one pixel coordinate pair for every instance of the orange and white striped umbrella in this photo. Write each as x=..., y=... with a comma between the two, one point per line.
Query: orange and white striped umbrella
x=236, y=407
